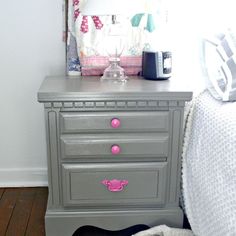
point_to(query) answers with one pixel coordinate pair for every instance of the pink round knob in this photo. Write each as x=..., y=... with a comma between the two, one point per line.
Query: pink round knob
x=115, y=149
x=115, y=123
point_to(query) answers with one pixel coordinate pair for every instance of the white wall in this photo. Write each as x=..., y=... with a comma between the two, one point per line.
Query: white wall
x=31, y=47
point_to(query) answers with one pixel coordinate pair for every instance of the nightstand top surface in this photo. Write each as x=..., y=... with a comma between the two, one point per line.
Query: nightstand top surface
x=64, y=88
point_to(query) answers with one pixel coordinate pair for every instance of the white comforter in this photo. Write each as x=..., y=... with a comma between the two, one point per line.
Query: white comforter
x=209, y=167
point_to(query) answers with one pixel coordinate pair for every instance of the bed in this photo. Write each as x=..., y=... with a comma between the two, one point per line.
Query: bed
x=209, y=166
x=209, y=152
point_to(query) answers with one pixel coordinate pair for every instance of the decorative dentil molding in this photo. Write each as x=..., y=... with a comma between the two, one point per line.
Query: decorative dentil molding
x=115, y=105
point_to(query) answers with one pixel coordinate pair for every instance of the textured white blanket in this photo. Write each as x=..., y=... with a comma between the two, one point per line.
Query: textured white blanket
x=163, y=230
x=209, y=167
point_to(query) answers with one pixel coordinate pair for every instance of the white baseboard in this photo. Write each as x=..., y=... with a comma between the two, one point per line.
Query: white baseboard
x=23, y=177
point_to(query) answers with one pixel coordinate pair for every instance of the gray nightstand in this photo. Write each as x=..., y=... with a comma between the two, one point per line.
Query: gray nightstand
x=113, y=152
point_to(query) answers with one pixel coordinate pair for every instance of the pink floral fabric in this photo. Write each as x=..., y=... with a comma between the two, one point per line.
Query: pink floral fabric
x=84, y=25
x=131, y=64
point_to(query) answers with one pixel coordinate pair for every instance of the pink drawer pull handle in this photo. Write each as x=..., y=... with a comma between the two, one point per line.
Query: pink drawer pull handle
x=115, y=123
x=115, y=185
x=115, y=149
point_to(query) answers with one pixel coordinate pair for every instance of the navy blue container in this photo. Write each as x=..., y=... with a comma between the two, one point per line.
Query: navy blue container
x=156, y=65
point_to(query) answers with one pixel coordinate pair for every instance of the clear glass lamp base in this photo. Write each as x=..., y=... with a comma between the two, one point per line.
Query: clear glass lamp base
x=114, y=73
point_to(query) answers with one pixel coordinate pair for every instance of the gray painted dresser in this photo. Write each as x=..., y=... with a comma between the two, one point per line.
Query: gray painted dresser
x=113, y=152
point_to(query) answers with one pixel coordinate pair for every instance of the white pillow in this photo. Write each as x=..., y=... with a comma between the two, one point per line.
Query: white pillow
x=220, y=65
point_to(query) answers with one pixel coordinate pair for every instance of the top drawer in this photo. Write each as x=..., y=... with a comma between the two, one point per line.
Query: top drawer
x=78, y=122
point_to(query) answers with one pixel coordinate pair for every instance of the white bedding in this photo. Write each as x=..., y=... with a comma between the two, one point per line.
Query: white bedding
x=209, y=167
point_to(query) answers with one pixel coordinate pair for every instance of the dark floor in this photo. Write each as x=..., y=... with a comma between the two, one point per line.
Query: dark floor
x=22, y=211
x=186, y=224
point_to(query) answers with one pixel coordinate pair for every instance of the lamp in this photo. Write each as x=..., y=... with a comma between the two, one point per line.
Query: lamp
x=115, y=44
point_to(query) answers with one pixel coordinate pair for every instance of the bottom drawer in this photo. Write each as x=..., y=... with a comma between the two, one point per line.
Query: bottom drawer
x=114, y=184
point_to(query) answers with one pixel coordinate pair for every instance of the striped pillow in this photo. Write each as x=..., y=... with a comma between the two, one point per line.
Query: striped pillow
x=220, y=63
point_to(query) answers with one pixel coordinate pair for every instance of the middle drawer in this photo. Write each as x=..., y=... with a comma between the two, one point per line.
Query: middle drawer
x=113, y=145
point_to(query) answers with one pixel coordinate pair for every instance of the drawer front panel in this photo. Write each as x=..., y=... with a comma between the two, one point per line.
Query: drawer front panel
x=78, y=122
x=102, y=146
x=114, y=184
